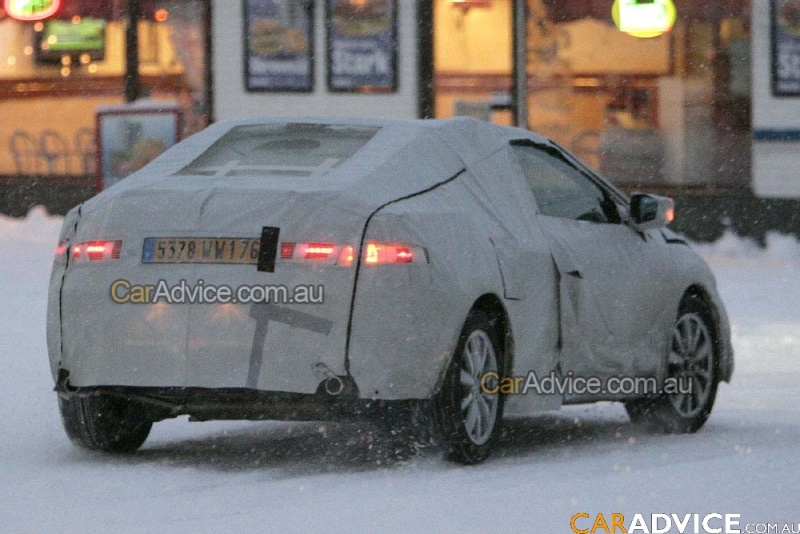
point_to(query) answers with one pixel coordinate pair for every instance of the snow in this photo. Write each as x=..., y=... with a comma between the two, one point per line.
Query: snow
x=301, y=477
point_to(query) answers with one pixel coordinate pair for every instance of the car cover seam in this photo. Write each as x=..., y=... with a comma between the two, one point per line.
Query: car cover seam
x=360, y=252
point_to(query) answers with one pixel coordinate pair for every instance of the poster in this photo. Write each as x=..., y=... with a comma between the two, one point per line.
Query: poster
x=362, y=45
x=131, y=136
x=785, y=47
x=278, y=45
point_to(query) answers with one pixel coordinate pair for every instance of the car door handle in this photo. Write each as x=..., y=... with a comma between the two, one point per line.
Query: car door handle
x=575, y=274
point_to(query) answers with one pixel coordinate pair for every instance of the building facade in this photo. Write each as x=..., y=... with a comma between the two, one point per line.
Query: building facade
x=706, y=109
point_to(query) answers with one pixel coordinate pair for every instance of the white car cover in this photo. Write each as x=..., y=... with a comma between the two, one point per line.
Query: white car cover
x=448, y=186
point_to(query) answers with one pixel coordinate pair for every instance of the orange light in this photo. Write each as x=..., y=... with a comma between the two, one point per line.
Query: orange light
x=670, y=213
x=161, y=15
x=346, y=256
x=381, y=253
x=371, y=257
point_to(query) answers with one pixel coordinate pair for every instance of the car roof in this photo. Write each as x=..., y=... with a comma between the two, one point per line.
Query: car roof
x=403, y=158
x=469, y=138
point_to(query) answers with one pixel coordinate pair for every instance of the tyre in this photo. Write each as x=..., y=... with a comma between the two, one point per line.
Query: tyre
x=691, y=365
x=467, y=418
x=103, y=423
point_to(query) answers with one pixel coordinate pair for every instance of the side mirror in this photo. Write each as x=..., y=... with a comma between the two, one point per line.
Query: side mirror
x=651, y=211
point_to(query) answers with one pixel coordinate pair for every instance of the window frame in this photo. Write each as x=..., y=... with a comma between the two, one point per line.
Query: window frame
x=619, y=199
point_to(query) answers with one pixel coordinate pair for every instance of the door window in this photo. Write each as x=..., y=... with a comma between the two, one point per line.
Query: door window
x=560, y=189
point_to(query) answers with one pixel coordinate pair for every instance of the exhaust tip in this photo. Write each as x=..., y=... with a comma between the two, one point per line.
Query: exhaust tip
x=338, y=386
x=333, y=386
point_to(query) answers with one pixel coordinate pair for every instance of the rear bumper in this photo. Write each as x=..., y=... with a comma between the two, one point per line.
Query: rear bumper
x=280, y=347
x=206, y=404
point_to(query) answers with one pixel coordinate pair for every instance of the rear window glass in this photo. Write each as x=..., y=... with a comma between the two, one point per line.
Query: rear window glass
x=280, y=149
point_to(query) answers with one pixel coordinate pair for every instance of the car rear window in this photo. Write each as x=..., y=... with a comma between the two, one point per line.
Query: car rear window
x=280, y=149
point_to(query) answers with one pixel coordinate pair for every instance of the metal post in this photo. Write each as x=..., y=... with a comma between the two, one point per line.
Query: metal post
x=425, y=71
x=519, y=92
x=132, y=51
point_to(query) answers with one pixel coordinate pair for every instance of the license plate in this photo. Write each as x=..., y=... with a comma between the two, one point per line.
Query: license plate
x=239, y=250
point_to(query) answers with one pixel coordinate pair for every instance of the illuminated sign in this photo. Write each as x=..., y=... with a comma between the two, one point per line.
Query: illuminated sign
x=644, y=18
x=31, y=10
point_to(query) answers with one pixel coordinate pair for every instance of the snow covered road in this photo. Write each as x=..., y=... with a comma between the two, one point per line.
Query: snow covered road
x=242, y=476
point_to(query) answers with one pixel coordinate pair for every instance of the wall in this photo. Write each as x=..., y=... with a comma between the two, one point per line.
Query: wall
x=477, y=40
x=231, y=100
x=36, y=115
x=596, y=47
x=776, y=164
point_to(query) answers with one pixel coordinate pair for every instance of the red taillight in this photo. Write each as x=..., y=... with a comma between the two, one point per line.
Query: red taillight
x=344, y=255
x=61, y=249
x=393, y=253
x=403, y=255
x=328, y=253
x=316, y=251
x=287, y=251
x=97, y=251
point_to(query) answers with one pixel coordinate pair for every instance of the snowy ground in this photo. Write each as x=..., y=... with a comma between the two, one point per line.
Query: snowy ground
x=213, y=477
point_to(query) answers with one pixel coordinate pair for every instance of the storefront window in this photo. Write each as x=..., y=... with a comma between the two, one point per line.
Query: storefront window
x=668, y=110
x=55, y=73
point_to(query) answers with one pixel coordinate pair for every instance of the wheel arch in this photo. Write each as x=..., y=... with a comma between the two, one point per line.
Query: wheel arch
x=722, y=357
x=492, y=305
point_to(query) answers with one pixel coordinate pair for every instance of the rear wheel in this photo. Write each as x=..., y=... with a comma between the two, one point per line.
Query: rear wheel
x=104, y=423
x=691, y=369
x=468, y=417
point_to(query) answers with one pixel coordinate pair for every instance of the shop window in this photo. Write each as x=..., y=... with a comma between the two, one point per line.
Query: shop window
x=70, y=65
x=666, y=111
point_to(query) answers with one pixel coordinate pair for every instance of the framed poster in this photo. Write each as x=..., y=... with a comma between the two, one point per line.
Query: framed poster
x=131, y=136
x=278, y=45
x=362, y=46
x=785, y=20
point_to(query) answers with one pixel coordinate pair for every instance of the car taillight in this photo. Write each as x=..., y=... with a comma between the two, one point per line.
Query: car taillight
x=343, y=255
x=96, y=251
x=393, y=253
x=326, y=253
x=346, y=256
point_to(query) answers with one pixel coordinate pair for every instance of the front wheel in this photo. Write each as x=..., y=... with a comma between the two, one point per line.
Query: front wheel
x=467, y=416
x=692, y=372
x=104, y=423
